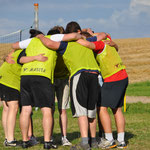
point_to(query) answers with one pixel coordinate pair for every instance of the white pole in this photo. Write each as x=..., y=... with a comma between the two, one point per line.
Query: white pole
x=36, y=17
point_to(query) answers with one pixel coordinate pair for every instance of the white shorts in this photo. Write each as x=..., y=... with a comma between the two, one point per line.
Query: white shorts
x=84, y=94
x=62, y=93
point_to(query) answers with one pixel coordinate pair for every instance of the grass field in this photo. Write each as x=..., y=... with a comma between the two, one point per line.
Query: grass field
x=135, y=54
x=137, y=128
x=139, y=89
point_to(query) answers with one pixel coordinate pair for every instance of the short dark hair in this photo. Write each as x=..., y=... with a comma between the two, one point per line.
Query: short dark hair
x=72, y=27
x=56, y=30
x=34, y=33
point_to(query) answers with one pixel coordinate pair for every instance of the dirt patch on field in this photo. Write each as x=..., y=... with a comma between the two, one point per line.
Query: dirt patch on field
x=135, y=99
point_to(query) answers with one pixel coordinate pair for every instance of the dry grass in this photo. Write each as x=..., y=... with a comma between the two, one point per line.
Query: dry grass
x=135, y=54
x=4, y=50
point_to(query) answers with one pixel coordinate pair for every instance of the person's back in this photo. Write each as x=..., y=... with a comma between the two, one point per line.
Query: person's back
x=84, y=72
x=115, y=83
x=9, y=94
x=79, y=58
x=61, y=86
x=109, y=61
x=10, y=73
x=36, y=87
x=46, y=68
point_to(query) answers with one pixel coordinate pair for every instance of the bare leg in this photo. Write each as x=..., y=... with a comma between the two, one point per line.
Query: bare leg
x=47, y=123
x=92, y=126
x=24, y=121
x=100, y=127
x=120, y=120
x=4, y=118
x=83, y=125
x=11, y=119
x=63, y=121
x=30, y=130
x=53, y=123
x=105, y=119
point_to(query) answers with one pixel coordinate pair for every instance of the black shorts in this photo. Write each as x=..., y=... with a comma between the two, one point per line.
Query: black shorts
x=112, y=94
x=84, y=94
x=8, y=93
x=37, y=91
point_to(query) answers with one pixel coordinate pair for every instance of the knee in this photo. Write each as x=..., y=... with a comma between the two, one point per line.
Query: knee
x=14, y=107
x=26, y=110
x=5, y=109
x=47, y=111
x=117, y=111
x=62, y=112
x=103, y=109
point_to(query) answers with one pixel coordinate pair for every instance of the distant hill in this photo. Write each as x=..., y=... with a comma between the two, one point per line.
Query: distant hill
x=135, y=54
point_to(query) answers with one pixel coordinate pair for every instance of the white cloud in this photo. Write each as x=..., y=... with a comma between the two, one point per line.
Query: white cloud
x=124, y=19
x=139, y=6
x=129, y=22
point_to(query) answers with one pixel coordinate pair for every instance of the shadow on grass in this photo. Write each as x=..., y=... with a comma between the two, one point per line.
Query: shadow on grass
x=57, y=137
x=128, y=135
x=76, y=136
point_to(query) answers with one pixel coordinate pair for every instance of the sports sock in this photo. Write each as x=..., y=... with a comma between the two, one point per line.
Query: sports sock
x=109, y=136
x=120, y=136
x=64, y=137
x=93, y=140
x=84, y=140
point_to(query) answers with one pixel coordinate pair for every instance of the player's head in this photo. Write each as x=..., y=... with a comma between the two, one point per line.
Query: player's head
x=86, y=34
x=73, y=27
x=56, y=30
x=34, y=32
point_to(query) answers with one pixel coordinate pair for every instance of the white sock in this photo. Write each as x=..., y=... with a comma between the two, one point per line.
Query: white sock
x=120, y=136
x=109, y=136
x=64, y=137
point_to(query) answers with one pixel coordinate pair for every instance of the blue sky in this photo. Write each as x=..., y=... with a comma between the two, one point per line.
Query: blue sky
x=120, y=18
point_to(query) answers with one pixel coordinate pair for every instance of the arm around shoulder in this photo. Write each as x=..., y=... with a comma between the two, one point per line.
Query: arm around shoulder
x=15, y=46
x=72, y=37
x=48, y=43
x=27, y=59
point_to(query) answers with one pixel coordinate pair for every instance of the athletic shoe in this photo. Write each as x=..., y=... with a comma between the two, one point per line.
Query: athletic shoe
x=33, y=141
x=65, y=142
x=81, y=147
x=94, y=144
x=12, y=143
x=26, y=144
x=99, y=139
x=53, y=143
x=47, y=145
x=121, y=145
x=5, y=141
x=106, y=144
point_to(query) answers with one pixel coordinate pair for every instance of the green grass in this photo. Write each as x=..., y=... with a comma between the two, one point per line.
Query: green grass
x=139, y=89
x=137, y=128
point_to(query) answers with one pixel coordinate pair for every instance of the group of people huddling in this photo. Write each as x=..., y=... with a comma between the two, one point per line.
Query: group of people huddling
x=80, y=68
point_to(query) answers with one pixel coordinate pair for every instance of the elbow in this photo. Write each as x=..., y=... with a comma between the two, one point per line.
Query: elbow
x=52, y=46
x=20, y=61
x=104, y=35
x=76, y=36
x=15, y=46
